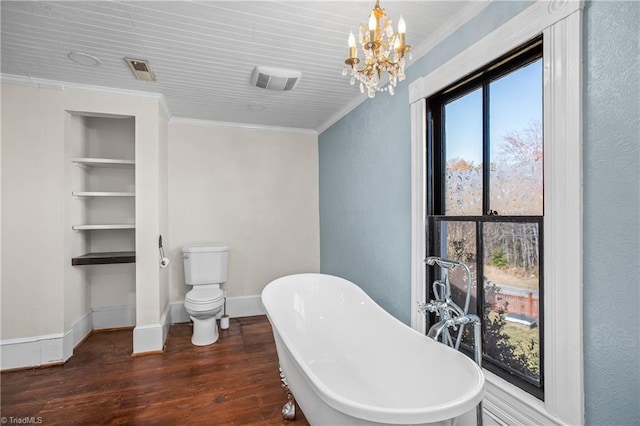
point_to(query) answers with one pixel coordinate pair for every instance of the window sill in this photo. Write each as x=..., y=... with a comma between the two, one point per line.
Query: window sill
x=510, y=405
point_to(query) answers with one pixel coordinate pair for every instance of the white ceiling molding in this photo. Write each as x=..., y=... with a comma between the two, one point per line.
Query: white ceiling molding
x=212, y=123
x=60, y=85
x=31, y=82
x=74, y=87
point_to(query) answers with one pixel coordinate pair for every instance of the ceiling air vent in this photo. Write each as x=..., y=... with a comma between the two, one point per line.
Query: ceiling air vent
x=141, y=69
x=275, y=78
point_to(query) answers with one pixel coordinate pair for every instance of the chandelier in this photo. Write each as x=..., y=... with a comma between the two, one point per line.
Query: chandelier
x=384, y=52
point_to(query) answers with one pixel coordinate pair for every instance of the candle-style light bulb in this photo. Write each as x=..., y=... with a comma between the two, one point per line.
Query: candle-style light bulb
x=402, y=29
x=352, y=45
x=352, y=40
x=373, y=24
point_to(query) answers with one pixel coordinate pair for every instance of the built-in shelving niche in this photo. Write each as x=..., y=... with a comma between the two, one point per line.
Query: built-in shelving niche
x=105, y=189
x=99, y=196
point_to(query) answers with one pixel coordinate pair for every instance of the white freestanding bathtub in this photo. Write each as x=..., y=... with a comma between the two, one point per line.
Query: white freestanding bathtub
x=349, y=362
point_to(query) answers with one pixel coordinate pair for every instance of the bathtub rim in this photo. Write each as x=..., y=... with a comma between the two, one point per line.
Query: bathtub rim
x=473, y=394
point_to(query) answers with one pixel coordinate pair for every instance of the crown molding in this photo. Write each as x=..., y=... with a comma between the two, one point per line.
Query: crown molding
x=65, y=86
x=41, y=83
x=31, y=82
x=449, y=27
x=212, y=123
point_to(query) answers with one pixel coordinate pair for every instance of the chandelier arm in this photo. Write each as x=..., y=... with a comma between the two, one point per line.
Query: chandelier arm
x=368, y=67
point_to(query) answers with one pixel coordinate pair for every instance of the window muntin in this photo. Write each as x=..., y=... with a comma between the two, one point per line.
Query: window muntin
x=487, y=183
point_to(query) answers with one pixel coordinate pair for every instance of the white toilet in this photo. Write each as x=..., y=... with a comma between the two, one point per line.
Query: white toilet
x=205, y=268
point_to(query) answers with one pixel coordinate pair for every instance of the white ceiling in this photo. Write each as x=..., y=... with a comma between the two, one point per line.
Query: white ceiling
x=203, y=53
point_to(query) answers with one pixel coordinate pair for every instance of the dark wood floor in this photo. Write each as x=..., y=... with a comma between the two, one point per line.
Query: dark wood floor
x=232, y=382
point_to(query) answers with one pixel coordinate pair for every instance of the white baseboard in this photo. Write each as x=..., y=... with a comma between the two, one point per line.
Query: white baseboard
x=243, y=306
x=56, y=348
x=151, y=338
x=113, y=317
x=32, y=351
x=46, y=349
x=165, y=322
x=67, y=344
x=147, y=338
x=178, y=313
x=80, y=330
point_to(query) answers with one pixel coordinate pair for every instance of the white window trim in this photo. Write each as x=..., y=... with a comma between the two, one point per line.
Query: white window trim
x=560, y=22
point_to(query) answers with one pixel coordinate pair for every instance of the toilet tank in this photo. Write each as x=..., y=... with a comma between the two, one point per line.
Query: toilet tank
x=205, y=264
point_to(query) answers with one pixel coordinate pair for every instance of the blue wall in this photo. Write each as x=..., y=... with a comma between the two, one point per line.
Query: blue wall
x=365, y=206
x=611, y=212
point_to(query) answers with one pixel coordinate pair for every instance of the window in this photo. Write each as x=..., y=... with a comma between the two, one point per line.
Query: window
x=485, y=174
x=561, y=24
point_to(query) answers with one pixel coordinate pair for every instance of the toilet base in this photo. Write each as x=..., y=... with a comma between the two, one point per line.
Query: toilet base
x=205, y=331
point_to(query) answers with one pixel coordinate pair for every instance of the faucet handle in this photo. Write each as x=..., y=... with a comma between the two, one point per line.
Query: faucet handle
x=423, y=308
x=434, y=306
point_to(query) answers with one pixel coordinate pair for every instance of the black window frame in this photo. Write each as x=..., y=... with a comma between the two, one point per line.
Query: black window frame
x=435, y=203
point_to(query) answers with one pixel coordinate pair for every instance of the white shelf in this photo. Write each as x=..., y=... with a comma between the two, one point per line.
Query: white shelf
x=86, y=163
x=97, y=227
x=79, y=194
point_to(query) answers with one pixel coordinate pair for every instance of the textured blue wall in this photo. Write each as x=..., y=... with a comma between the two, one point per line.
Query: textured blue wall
x=611, y=212
x=365, y=205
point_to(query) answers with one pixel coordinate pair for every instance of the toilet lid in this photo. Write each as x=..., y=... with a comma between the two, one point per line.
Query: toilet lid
x=204, y=295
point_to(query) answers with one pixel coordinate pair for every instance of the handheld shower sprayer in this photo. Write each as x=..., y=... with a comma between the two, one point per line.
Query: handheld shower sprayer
x=442, y=262
x=446, y=265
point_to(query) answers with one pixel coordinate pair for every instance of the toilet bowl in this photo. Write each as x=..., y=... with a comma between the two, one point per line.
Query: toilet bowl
x=203, y=306
x=205, y=268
